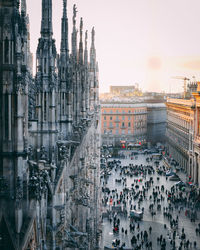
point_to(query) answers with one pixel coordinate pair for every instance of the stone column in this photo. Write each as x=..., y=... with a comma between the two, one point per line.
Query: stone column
x=186, y=163
x=192, y=167
x=198, y=170
x=195, y=169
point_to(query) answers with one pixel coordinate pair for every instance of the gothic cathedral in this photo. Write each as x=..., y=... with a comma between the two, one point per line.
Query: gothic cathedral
x=49, y=135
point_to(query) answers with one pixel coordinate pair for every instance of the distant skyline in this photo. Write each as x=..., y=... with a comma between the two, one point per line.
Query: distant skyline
x=137, y=41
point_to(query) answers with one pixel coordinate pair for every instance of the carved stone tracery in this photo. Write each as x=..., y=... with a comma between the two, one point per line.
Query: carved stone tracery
x=18, y=191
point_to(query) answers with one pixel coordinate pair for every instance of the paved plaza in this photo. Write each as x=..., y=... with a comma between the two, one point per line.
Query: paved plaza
x=159, y=223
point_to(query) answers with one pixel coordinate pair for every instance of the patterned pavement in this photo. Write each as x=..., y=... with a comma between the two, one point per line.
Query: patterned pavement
x=157, y=222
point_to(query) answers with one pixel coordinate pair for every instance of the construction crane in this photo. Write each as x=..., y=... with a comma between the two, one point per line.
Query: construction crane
x=185, y=79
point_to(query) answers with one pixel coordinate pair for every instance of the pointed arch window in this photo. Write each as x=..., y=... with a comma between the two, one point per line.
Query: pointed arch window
x=63, y=103
x=45, y=106
x=6, y=116
x=6, y=51
x=63, y=72
x=45, y=65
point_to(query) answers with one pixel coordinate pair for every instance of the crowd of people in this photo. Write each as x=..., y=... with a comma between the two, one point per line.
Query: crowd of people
x=146, y=187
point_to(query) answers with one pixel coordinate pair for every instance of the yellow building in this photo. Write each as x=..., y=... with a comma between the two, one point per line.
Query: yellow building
x=195, y=171
x=183, y=133
x=179, y=121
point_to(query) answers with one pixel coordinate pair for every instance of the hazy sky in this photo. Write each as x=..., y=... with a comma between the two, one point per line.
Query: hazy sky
x=137, y=41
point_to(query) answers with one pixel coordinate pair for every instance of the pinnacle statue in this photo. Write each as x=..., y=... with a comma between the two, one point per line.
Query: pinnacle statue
x=49, y=135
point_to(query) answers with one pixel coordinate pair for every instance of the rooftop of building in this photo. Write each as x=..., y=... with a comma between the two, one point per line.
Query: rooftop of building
x=156, y=105
x=133, y=105
x=181, y=101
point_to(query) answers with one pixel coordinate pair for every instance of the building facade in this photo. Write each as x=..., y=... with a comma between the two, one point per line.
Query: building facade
x=183, y=133
x=156, y=122
x=180, y=121
x=194, y=165
x=50, y=135
x=126, y=122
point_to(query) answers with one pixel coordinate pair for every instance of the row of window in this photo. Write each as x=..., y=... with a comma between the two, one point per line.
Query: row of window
x=123, y=124
x=116, y=131
x=123, y=111
x=123, y=118
x=179, y=120
x=117, y=118
x=117, y=124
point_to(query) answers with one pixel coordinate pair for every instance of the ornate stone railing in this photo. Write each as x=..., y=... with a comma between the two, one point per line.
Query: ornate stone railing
x=180, y=101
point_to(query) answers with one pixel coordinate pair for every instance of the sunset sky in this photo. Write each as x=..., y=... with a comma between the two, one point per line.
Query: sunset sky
x=137, y=41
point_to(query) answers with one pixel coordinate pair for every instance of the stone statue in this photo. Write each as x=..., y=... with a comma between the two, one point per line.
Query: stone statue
x=86, y=37
x=81, y=24
x=93, y=34
x=43, y=153
x=63, y=152
x=74, y=14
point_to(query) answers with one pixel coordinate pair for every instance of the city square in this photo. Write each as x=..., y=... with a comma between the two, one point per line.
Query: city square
x=159, y=223
x=99, y=125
